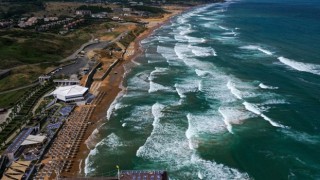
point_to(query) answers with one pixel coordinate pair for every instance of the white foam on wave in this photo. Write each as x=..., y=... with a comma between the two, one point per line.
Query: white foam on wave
x=164, y=39
x=155, y=87
x=138, y=82
x=112, y=142
x=202, y=51
x=164, y=51
x=115, y=105
x=185, y=30
x=226, y=121
x=228, y=40
x=202, y=124
x=263, y=86
x=232, y=115
x=255, y=110
x=201, y=73
x=184, y=53
x=304, y=67
x=231, y=86
x=208, y=18
x=223, y=28
x=157, y=71
x=209, y=25
x=187, y=86
x=169, y=54
x=274, y=101
x=93, y=152
x=157, y=114
x=253, y=47
x=192, y=39
x=168, y=144
x=230, y=33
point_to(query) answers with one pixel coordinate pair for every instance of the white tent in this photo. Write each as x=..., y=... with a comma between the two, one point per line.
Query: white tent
x=70, y=93
x=33, y=139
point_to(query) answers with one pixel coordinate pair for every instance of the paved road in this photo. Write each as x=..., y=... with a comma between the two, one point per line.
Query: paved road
x=19, y=88
x=81, y=62
x=74, y=55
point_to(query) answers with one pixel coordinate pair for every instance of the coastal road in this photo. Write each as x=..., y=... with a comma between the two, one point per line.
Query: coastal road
x=19, y=88
x=81, y=62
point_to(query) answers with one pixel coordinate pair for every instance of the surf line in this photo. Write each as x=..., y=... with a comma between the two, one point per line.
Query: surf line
x=250, y=107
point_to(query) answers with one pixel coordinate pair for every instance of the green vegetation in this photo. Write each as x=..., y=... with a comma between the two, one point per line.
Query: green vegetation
x=21, y=113
x=21, y=76
x=15, y=8
x=131, y=36
x=9, y=99
x=95, y=9
x=150, y=9
x=19, y=47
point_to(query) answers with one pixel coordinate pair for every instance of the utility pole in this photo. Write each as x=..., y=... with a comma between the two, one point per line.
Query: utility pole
x=118, y=172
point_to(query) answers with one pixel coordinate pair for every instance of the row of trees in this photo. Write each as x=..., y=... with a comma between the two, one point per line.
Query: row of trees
x=21, y=113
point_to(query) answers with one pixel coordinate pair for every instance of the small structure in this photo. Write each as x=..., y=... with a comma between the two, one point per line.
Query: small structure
x=16, y=148
x=4, y=73
x=33, y=139
x=145, y=175
x=3, y=110
x=17, y=170
x=44, y=78
x=72, y=93
x=83, y=12
x=126, y=9
x=73, y=80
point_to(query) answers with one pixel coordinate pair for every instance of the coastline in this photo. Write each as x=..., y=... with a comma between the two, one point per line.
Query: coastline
x=112, y=87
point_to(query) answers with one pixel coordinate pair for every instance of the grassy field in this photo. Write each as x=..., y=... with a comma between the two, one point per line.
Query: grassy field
x=31, y=54
x=9, y=99
x=18, y=47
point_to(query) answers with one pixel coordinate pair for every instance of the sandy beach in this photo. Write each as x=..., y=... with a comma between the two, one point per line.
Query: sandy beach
x=111, y=87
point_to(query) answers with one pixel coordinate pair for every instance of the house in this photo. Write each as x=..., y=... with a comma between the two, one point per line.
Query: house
x=126, y=9
x=47, y=19
x=99, y=15
x=31, y=21
x=83, y=12
x=116, y=18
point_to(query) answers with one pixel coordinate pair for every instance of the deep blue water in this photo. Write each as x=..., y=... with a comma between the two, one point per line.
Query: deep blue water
x=225, y=91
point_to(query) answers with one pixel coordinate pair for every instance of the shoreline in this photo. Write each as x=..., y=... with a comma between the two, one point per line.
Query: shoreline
x=112, y=86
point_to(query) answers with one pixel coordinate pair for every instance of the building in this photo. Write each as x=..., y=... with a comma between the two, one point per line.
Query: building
x=43, y=79
x=17, y=170
x=21, y=141
x=126, y=9
x=74, y=93
x=73, y=80
x=83, y=12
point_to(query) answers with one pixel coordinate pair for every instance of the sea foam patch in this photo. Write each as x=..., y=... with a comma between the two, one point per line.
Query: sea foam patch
x=202, y=51
x=202, y=124
x=304, y=67
x=254, y=109
x=254, y=47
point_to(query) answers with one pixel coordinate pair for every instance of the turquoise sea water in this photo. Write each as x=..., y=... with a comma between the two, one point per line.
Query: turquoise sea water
x=225, y=91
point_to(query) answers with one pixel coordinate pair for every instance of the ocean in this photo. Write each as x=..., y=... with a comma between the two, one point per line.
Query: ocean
x=224, y=91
